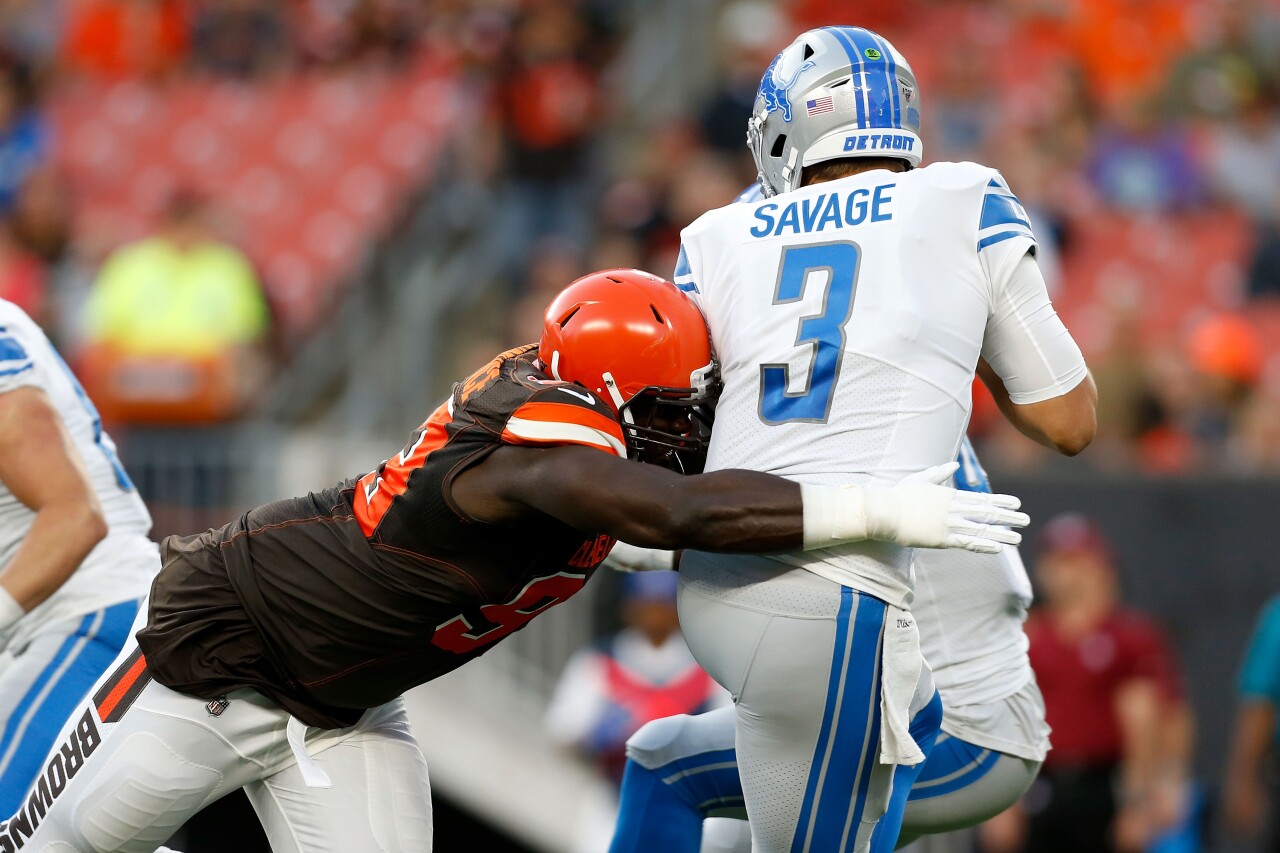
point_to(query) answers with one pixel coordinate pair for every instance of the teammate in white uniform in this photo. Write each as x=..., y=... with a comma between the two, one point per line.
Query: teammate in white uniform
x=849, y=310
x=75, y=559
x=970, y=608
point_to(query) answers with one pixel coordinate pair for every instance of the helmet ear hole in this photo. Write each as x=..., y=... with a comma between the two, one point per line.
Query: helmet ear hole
x=778, y=144
x=569, y=316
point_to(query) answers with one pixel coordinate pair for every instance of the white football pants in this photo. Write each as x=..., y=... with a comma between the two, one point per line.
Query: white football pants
x=136, y=760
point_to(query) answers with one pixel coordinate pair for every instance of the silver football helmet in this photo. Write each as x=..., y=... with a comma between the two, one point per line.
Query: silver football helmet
x=834, y=92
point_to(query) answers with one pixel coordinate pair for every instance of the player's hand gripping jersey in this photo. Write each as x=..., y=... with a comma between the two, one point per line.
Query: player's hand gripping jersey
x=389, y=558
x=849, y=316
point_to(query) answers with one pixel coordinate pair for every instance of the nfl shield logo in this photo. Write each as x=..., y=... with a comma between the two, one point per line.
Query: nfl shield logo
x=216, y=706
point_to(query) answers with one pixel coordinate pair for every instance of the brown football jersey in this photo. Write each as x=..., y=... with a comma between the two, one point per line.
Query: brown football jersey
x=342, y=600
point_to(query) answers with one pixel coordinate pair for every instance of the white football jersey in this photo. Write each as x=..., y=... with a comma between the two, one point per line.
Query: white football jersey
x=848, y=317
x=123, y=564
x=970, y=609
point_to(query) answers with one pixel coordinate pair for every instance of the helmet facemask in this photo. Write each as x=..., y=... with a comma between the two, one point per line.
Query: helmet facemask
x=671, y=427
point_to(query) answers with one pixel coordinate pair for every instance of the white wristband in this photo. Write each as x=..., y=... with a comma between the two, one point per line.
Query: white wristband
x=833, y=514
x=10, y=610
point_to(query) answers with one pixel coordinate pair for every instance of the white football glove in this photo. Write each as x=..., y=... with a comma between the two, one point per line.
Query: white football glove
x=918, y=512
x=633, y=558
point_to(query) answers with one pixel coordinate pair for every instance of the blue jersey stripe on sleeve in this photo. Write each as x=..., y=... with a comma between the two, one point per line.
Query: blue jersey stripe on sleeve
x=16, y=370
x=1004, y=235
x=684, y=274
x=1002, y=210
x=12, y=350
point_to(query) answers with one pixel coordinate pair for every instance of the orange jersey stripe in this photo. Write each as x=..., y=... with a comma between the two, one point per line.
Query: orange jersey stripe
x=549, y=412
x=121, y=687
x=377, y=489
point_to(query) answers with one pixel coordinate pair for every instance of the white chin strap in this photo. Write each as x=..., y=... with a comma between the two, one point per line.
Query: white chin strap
x=555, y=365
x=615, y=395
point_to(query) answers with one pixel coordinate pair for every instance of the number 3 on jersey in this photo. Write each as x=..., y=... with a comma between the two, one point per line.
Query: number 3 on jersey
x=813, y=404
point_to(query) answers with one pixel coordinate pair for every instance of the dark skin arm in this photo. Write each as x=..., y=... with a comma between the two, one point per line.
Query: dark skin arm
x=1066, y=424
x=646, y=505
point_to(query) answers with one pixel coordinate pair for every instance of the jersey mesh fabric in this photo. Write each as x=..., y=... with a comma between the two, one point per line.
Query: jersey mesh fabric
x=848, y=317
x=890, y=425
x=970, y=608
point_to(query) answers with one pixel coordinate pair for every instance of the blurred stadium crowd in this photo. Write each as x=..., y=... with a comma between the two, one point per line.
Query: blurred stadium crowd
x=1142, y=135
x=286, y=138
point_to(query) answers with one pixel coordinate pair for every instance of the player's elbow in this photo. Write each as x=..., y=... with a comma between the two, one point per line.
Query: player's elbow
x=1074, y=437
x=85, y=524
x=1067, y=423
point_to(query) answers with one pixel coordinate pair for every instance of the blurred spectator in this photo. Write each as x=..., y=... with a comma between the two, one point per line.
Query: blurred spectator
x=1234, y=59
x=1125, y=47
x=751, y=33
x=1256, y=742
x=31, y=30
x=964, y=109
x=1263, y=276
x=643, y=672
x=1111, y=691
x=24, y=138
x=22, y=279
x=1140, y=163
x=124, y=38
x=1244, y=155
x=187, y=304
x=1226, y=354
x=1256, y=447
x=41, y=216
x=239, y=38
x=334, y=32
x=547, y=105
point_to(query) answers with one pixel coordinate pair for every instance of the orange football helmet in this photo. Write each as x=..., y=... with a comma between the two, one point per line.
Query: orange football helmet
x=643, y=346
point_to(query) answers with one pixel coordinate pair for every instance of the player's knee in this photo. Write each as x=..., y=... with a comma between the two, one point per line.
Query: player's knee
x=654, y=738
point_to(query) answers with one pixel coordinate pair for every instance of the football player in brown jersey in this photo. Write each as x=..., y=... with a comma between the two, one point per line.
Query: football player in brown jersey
x=274, y=649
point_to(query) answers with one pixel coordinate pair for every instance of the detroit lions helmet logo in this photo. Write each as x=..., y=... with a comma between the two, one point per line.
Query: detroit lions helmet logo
x=776, y=91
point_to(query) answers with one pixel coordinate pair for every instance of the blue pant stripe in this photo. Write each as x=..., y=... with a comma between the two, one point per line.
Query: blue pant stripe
x=858, y=733
x=20, y=710
x=838, y=666
x=925, y=731
x=81, y=659
x=951, y=769
x=673, y=771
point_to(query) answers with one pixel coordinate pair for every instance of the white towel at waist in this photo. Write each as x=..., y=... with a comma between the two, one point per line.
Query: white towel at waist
x=900, y=672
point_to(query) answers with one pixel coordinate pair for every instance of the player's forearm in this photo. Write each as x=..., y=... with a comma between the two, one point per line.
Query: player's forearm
x=1066, y=424
x=729, y=511
x=58, y=541
x=1139, y=706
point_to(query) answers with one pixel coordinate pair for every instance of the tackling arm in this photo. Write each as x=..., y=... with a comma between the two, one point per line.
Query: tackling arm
x=729, y=511
x=41, y=467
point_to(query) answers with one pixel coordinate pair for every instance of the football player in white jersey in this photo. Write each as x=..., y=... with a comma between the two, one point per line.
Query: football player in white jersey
x=75, y=560
x=849, y=309
x=970, y=607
